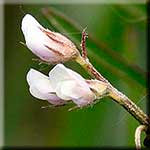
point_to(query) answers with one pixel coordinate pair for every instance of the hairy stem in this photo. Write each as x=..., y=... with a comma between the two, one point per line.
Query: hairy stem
x=90, y=68
x=116, y=95
x=129, y=105
x=83, y=44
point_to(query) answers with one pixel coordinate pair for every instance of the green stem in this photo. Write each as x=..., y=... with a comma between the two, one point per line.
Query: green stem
x=90, y=68
x=129, y=105
x=116, y=95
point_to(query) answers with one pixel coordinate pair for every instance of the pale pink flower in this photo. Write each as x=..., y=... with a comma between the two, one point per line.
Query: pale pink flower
x=70, y=85
x=49, y=46
x=40, y=87
x=63, y=84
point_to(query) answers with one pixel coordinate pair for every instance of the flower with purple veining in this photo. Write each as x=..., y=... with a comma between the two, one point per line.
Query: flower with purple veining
x=49, y=46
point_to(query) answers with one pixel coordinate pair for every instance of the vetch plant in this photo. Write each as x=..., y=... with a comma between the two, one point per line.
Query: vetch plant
x=63, y=84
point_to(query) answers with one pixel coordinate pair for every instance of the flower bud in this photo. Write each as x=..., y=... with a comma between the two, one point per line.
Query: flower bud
x=49, y=46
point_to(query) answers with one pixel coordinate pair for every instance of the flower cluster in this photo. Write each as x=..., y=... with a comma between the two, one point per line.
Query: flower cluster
x=62, y=84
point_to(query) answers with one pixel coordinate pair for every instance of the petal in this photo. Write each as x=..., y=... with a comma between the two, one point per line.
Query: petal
x=51, y=98
x=40, y=94
x=34, y=75
x=36, y=39
x=65, y=90
x=70, y=85
x=60, y=73
x=56, y=101
x=71, y=90
x=39, y=80
x=28, y=22
x=40, y=87
x=39, y=83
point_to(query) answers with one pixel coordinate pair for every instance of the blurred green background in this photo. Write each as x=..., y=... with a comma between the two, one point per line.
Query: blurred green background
x=116, y=46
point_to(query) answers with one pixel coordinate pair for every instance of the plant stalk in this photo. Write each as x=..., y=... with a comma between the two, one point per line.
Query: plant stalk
x=129, y=105
x=116, y=95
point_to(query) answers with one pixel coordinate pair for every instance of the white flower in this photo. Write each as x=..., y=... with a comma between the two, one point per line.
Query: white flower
x=62, y=83
x=50, y=46
x=40, y=87
x=70, y=85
